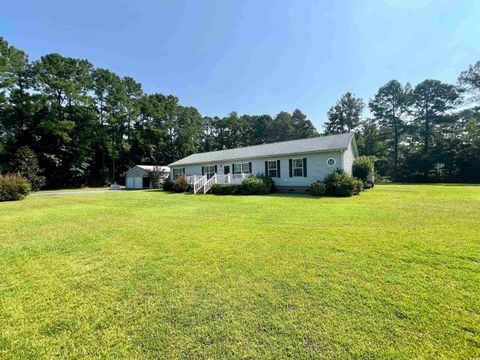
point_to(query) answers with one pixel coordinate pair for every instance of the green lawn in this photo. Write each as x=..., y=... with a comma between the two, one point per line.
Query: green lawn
x=392, y=273
x=74, y=189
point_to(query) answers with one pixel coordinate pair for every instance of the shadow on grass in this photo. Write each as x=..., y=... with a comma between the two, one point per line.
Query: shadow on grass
x=272, y=195
x=430, y=184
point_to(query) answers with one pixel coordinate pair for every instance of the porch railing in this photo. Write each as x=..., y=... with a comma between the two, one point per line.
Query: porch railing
x=232, y=178
x=208, y=185
x=198, y=184
x=203, y=184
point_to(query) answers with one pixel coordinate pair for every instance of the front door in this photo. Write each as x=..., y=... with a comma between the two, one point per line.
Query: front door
x=226, y=169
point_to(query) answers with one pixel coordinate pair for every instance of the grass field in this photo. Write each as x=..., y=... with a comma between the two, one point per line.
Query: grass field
x=392, y=273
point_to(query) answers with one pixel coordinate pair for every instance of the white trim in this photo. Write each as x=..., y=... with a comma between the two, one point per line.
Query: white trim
x=242, y=170
x=296, y=167
x=272, y=169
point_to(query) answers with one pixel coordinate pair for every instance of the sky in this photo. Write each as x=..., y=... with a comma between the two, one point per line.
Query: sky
x=251, y=56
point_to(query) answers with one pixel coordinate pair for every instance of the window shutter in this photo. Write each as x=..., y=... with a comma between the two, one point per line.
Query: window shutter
x=203, y=170
x=304, y=167
x=290, y=167
x=250, y=167
x=183, y=171
x=233, y=168
x=215, y=169
x=266, y=168
x=278, y=168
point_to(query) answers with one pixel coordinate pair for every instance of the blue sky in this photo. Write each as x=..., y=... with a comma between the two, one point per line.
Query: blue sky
x=255, y=57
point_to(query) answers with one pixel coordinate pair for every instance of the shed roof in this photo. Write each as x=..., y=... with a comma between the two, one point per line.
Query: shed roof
x=150, y=167
x=309, y=145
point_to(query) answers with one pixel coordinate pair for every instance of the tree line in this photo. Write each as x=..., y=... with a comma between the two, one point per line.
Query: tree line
x=426, y=133
x=81, y=125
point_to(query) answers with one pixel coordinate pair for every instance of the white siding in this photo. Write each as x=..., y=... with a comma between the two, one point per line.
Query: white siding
x=134, y=177
x=348, y=157
x=317, y=167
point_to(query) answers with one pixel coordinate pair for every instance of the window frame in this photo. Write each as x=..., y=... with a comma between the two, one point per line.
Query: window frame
x=274, y=169
x=176, y=172
x=334, y=161
x=294, y=167
x=241, y=165
x=209, y=167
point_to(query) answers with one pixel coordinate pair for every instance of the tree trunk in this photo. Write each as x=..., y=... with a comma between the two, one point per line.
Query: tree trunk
x=395, y=146
x=426, y=144
x=395, y=152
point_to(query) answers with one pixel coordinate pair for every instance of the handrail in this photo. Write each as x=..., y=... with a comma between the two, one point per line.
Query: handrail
x=232, y=178
x=208, y=185
x=199, y=184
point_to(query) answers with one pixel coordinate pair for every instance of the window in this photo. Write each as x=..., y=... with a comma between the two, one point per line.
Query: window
x=178, y=172
x=272, y=168
x=209, y=170
x=297, y=167
x=331, y=162
x=241, y=168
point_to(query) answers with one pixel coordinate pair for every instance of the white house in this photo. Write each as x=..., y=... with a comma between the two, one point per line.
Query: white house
x=293, y=165
x=137, y=177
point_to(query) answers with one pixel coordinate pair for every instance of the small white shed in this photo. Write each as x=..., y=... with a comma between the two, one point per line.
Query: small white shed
x=137, y=177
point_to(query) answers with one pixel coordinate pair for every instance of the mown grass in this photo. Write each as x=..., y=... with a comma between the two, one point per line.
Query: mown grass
x=72, y=189
x=392, y=273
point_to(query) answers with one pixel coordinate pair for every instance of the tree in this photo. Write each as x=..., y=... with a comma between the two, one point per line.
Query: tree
x=188, y=130
x=431, y=100
x=470, y=79
x=26, y=164
x=363, y=168
x=345, y=115
x=281, y=128
x=390, y=108
x=12, y=61
x=302, y=127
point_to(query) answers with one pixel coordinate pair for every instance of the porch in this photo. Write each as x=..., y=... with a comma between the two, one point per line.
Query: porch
x=202, y=183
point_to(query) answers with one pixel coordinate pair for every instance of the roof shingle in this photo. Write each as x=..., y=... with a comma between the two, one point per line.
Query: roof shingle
x=317, y=144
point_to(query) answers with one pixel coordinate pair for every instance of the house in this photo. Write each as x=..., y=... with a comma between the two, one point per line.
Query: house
x=138, y=177
x=292, y=165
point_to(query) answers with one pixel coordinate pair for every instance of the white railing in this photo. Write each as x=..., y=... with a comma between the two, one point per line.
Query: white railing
x=193, y=179
x=201, y=181
x=208, y=185
x=232, y=178
x=197, y=185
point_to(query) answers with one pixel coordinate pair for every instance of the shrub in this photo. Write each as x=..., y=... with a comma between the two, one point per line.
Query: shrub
x=357, y=186
x=340, y=183
x=167, y=184
x=157, y=176
x=26, y=164
x=181, y=184
x=363, y=168
x=256, y=185
x=13, y=187
x=225, y=189
x=318, y=188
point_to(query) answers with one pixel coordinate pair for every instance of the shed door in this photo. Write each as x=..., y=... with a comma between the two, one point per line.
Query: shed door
x=138, y=182
x=130, y=183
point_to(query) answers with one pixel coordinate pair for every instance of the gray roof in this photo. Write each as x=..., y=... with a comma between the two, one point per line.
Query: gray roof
x=309, y=145
x=150, y=167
